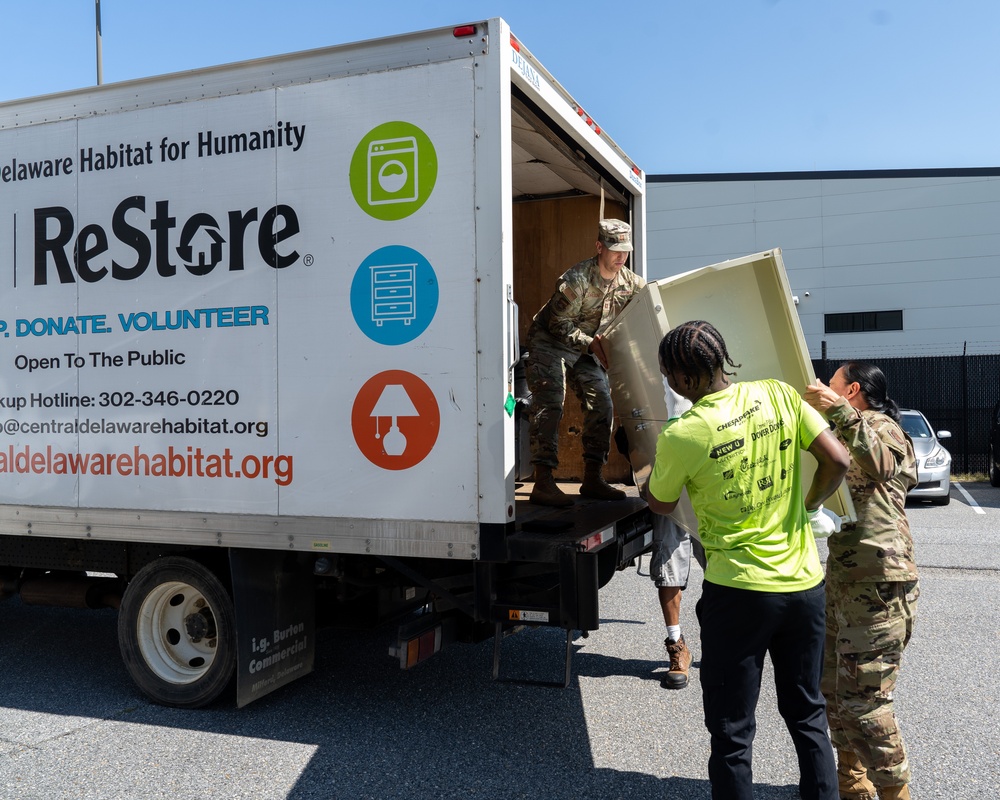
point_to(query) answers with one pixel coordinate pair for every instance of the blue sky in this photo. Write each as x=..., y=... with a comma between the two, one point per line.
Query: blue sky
x=684, y=87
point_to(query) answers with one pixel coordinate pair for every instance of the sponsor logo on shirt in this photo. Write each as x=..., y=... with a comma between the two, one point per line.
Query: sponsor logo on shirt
x=727, y=449
x=741, y=418
x=767, y=429
x=746, y=464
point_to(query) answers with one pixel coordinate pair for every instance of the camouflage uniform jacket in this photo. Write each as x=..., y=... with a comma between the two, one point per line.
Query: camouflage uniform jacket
x=583, y=305
x=879, y=547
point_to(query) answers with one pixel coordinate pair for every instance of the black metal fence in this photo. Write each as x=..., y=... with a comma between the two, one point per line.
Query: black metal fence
x=956, y=393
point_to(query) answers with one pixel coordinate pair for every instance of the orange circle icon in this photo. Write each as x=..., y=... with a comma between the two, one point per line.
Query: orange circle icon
x=395, y=420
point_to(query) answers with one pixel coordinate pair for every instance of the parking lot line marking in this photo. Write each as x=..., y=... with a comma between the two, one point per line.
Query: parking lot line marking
x=967, y=496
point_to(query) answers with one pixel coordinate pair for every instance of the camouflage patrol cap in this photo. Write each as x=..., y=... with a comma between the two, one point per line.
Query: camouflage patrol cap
x=615, y=234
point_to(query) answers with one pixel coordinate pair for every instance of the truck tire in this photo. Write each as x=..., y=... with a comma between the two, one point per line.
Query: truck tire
x=177, y=633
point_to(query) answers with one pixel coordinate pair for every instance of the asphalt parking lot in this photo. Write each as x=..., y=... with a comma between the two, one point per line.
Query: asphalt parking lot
x=73, y=726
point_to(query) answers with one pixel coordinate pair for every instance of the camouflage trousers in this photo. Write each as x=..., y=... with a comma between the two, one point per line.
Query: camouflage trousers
x=550, y=366
x=868, y=625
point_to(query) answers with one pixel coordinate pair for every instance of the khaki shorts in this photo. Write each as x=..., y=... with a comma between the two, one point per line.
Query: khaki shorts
x=673, y=548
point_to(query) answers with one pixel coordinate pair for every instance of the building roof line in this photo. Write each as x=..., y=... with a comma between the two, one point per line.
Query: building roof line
x=846, y=174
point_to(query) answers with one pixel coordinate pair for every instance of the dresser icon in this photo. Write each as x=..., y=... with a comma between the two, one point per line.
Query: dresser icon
x=394, y=293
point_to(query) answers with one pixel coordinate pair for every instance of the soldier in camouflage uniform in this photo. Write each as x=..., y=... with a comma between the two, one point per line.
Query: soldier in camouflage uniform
x=564, y=343
x=871, y=590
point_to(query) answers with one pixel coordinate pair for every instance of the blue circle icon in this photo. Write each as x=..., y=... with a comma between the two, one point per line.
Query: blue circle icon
x=394, y=295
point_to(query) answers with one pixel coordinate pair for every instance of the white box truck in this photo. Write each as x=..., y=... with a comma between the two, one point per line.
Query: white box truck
x=258, y=335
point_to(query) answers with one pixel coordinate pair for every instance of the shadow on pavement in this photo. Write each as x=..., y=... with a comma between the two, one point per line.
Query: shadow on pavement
x=446, y=730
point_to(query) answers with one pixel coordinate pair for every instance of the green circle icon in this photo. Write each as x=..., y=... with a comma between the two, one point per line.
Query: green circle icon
x=393, y=170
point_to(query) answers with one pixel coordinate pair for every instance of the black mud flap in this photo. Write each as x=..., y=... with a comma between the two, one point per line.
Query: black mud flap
x=275, y=606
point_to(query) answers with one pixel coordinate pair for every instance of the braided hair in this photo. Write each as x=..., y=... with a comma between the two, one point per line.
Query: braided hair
x=695, y=349
x=872, y=382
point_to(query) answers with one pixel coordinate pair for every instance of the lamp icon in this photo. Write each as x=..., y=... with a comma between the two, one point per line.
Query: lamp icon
x=393, y=402
x=378, y=432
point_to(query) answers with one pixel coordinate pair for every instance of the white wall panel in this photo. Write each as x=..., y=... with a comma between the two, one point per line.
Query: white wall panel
x=971, y=251
x=804, y=260
x=767, y=191
x=791, y=234
x=704, y=240
x=794, y=209
x=900, y=225
x=697, y=195
x=685, y=218
x=967, y=189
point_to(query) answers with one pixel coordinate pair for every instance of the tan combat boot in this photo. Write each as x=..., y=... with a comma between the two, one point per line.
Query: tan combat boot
x=680, y=664
x=546, y=492
x=894, y=792
x=852, y=777
x=595, y=486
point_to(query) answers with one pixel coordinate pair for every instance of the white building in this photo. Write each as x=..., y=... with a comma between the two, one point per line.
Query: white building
x=883, y=263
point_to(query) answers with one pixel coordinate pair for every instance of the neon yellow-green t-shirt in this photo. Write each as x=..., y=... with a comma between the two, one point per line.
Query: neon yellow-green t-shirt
x=737, y=451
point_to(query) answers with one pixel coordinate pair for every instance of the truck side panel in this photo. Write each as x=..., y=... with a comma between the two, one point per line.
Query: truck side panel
x=259, y=304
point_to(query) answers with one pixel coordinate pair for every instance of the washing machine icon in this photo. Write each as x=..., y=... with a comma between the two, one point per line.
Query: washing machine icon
x=392, y=171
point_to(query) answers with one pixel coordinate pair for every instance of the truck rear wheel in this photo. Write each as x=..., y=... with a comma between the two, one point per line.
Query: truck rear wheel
x=177, y=633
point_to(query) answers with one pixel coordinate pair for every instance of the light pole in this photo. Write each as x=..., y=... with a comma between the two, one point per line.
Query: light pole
x=100, y=66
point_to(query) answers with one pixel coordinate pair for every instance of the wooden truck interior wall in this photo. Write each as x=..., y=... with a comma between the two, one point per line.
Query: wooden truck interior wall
x=550, y=236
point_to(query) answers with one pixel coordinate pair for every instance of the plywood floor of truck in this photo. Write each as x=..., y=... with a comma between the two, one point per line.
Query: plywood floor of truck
x=584, y=517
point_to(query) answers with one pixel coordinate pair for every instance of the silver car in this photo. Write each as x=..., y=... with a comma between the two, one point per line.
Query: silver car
x=933, y=461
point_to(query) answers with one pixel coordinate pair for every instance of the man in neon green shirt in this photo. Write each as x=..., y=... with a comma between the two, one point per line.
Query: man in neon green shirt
x=737, y=452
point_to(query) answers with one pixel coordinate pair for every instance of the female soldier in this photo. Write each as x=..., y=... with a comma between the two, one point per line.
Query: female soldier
x=871, y=585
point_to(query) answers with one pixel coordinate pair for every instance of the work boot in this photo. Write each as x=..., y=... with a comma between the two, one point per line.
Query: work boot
x=595, y=486
x=894, y=792
x=546, y=492
x=680, y=663
x=852, y=777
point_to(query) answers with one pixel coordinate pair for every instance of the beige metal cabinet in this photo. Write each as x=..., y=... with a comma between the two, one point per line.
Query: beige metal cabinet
x=749, y=301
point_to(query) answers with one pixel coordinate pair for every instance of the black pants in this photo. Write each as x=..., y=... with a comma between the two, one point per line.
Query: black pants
x=737, y=628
